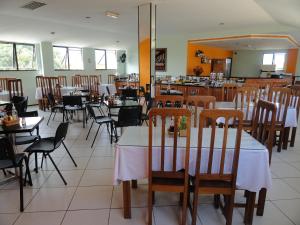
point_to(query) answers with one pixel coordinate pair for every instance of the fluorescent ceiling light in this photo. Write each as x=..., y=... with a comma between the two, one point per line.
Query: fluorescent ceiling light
x=112, y=14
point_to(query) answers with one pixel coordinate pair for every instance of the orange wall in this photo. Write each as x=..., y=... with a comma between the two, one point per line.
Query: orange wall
x=144, y=61
x=210, y=52
x=292, y=61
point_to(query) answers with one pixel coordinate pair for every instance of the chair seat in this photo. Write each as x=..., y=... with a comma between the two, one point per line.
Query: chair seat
x=9, y=164
x=103, y=119
x=212, y=183
x=167, y=181
x=74, y=107
x=23, y=140
x=43, y=145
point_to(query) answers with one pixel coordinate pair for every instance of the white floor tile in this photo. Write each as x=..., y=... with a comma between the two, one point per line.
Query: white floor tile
x=37, y=218
x=290, y=208
x=87, y=217
x=97, y=177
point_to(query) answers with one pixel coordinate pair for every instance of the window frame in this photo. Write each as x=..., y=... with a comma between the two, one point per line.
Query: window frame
x=15, y=56
x=105, y=54
x=68, y=58
x=273, y=59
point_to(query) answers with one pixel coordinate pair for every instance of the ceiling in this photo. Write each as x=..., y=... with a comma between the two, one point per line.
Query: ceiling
x=250, y=42
x=174, y=17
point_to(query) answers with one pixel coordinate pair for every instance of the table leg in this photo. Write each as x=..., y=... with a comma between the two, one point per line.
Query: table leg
x=134, y=184
x=126, y=199
x=250, y=205
x=286, y=137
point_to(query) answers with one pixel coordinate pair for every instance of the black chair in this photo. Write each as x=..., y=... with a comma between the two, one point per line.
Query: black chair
x=130, y=94
x=47, y=145
x=28, y=139
x=144, y=116
x=71, y=104
x=99, y=120
x=54, y=106
x=20, y=104
x=107, y=89
x=9, y=159
x=128, y=116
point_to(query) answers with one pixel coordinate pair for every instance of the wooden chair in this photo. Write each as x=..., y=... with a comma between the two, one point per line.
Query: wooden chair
x=15, y=88
x=4, y=84
x=206, y=102
x=85, y=82
x=228, y=91
x=111, y=78
x=218, y=182
x=62, y=81
x=76, y=81
x=280, y=96
x=94, y=86
x=164, y=177
x=169, y=101
x=246, y=100
x=55, y=88
x=295, y=103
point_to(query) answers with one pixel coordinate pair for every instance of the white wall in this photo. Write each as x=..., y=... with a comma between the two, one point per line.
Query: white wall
x=45, y=66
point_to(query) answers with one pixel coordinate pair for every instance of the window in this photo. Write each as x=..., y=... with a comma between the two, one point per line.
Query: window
x=105, y=59
x=277, y=59
x=111, y=56
x=66, y=58
x=100, y=59
x=15, y=56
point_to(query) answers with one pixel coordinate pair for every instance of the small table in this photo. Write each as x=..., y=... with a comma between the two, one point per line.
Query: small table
x=32, y=123
x=170, y=92
x=3, y=103
x=120, y=104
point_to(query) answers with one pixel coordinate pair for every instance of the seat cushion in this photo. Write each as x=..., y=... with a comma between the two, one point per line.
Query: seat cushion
x=42, y=145
x=7, y=163
x=24, y=140
x=103, y=119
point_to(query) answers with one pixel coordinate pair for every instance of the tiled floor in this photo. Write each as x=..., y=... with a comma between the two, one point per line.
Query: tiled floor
x=90, y=199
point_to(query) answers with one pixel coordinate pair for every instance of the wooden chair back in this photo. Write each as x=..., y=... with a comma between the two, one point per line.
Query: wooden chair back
x=207, y=173
x=15, y=88
x=76, y=81
x=246, y=100
x=63, y=81
x=111, y=78
x=198, y=90
x=39, y=81
x=4, y=84
x=94, y=85
x=46, y=87
x=264, y=124
x=169, y=101
x=85, y=83
x=163, y=168
x=280, y=96
x=228, y=91
x=55, y=88
x=295, y=98
x=195, y=101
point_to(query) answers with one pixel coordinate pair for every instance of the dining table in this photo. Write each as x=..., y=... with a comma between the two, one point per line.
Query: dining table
x=131, y=159
x=171, y=92
x=4, y=103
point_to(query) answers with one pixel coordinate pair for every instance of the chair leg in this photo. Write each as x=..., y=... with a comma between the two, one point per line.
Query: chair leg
x=49, y=118
x=96, y=135
x=217, y=201
x=89, y=130
x=54, y=115
x=111, y=133
x=293, y=137
x=195, y=204
x=27, y=173
x=229, y=210
x=21, y=187
x=184, y=207
x=69, y=154
x=57, y=169
x=36, y=162
x=4, y=172
x=261, y=202
x=150, y=207
x=281, y=135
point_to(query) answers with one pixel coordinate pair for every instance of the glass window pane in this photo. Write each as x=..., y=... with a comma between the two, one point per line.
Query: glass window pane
x=100, y=59
x=268, y=59
x=279, y=60
x=75, y=59
x=60, y=58
x=26, y=57
x=111, y=59
x=7, y=57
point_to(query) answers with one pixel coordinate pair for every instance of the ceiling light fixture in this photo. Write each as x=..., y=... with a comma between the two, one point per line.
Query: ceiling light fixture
x=88, y=17
x=112, y=14
x=221, y=24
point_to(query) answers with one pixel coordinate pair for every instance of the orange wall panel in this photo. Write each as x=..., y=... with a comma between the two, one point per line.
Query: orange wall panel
x=210, y=52
x=144, y=61
x=292, y=61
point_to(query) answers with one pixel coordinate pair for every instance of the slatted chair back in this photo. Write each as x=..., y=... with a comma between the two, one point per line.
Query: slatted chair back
x=63, y=81
x=76, y=81
x=85, y=82
x=264, y=124
x=111, y=78
x=213, y=151
x=55, y=88
x=194, y=101
x=46, y=87
x=94, y=84
x=295, y=98
x=15, y=88
x=39, y=81
x=4, y=83
x=280, y=96
x=169, y=101
x=198, y=90
x=228, y=91
x=246, y=100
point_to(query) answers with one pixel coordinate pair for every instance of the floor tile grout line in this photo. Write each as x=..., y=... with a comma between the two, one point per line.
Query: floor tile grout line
x=283, y=213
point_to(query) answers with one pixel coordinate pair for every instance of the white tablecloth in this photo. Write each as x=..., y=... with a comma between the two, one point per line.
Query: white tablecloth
x=63, y=91
x=291, y=116
x=111, y=87
x=4, y=96
x=132, y=157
